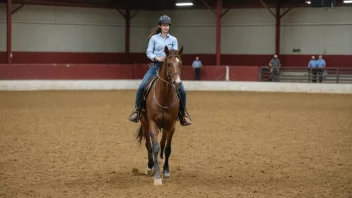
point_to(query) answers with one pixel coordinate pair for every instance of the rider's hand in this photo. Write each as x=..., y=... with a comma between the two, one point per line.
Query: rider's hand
x=161, y=59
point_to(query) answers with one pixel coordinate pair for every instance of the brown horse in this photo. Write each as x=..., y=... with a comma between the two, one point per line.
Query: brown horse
x=161, y=112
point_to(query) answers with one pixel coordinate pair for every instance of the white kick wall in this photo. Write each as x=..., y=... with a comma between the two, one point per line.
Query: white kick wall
x=244, y=31
x=33, y=85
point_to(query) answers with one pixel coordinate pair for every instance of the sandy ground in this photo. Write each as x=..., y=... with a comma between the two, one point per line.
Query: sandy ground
x=81, y=144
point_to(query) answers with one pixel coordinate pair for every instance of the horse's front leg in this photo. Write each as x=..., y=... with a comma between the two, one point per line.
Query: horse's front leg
x=166, y=168
x=154, y=131
x=148, y=145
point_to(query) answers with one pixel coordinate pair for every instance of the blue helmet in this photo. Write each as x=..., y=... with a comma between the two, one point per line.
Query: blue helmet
x=164, y=19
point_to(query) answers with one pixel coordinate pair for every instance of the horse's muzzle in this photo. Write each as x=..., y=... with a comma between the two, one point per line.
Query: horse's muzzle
x=177, y=82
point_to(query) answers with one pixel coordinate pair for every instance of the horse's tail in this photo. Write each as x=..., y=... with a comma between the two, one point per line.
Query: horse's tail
x=139, y=135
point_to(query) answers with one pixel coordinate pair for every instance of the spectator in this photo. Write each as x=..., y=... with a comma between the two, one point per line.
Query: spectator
x=197, y=66
x=312, y=69
x=275, y=66
x=320, y=67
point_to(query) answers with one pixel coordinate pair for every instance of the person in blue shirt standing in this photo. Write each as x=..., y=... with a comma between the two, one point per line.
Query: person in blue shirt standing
x=160, y=38
x=320, y=67
x=275, y=66
x=312, y=69
x=197, y=66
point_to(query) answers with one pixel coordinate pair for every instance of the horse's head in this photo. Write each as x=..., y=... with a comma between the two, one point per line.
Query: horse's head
x=174, y=65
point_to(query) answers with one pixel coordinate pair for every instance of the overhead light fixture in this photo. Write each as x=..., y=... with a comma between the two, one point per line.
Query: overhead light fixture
x=349, y=1
x=307, y=2
x=184, y=4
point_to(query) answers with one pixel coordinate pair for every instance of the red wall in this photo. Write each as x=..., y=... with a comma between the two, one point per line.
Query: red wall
x=212, y=73
x=135, y=58
x=331, y=60
x=3, y=57
x=245, y=60
x=61, y=72
x=244, y=73
x=106, y=71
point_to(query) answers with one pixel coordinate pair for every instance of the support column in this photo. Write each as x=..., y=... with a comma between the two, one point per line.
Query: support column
x=277, y=29
x=278, y=16
x=218, y=31
x=127, y=15
x=9, y=31
x=219, y=15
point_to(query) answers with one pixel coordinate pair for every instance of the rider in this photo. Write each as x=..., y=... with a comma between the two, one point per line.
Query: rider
x=155, y=52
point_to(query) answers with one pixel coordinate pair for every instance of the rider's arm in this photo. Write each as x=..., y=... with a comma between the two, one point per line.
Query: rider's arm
x=150, y=49
x=175, y=44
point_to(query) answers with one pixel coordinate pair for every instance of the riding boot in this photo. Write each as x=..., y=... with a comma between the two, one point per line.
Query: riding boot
x=185, y=119
x=134, y=117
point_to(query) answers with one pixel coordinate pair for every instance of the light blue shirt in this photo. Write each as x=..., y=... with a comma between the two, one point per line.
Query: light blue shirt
x=157, y=43
x=197, y=64
x=320, y=63
x=275, y=62
x=312, y=64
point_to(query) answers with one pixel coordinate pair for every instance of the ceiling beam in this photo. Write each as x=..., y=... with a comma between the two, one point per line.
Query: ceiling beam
x=17, y=9
x=166, y=5
x=66, y=3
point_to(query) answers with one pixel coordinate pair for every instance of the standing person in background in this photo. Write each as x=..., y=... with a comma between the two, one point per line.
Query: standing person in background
x=312, y=69
x=275, y=66
x=197, y=66
x=320, y=67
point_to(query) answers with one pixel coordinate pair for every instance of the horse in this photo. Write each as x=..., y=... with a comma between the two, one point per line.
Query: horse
x=160, y=112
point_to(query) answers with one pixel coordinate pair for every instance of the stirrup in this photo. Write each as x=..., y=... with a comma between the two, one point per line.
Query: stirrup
x=134, y=117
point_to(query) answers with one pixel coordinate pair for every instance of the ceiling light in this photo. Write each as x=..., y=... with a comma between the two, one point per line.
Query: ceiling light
x=347, y=1
x=184, y=4
x=308, y=2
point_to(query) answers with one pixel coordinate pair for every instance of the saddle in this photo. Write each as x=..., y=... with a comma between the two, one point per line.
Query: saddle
x=146, y=91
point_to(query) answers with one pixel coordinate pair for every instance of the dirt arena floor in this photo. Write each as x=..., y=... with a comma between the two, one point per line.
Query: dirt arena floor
x=81, y=144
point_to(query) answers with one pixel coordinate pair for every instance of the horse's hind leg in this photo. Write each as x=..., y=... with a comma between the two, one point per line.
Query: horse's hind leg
x=154, y=136
x=148, y=145
x=166, y=171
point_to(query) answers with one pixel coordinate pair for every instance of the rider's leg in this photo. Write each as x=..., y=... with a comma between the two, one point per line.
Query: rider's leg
x=139, y=95
x=185, y=119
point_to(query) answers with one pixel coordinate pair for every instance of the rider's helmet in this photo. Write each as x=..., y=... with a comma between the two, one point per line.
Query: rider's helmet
x=164, y=19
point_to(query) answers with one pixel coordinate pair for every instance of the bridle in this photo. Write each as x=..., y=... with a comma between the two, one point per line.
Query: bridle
x=168, y=81
x=168, y=75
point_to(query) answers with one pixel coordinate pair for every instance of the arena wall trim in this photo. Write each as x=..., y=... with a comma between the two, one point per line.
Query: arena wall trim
x=41, y=85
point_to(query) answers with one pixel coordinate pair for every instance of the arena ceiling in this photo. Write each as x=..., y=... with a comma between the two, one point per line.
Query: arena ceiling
x=165, y=4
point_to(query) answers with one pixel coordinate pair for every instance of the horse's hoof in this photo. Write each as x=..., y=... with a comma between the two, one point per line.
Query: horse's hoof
x=166, y=176
x=149, y=172
x=158, y=182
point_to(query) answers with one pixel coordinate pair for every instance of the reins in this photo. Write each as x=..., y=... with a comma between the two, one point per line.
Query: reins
x=169, y=76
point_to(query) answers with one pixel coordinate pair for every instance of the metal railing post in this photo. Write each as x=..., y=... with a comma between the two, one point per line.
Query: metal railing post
x=260, y=74
x=337, y=75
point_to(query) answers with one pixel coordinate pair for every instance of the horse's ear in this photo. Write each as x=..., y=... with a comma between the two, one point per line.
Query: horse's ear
x=166, y=49
x=180, y=51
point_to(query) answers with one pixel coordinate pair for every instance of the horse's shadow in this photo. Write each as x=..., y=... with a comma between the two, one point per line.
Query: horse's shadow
x=186, y=177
